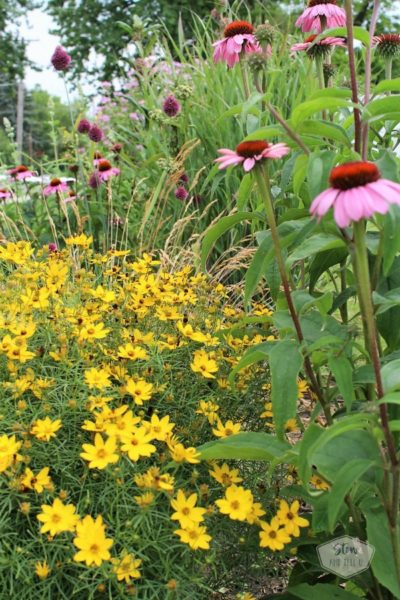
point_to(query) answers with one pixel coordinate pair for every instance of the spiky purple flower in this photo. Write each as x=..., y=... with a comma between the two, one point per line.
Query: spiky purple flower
x=181, y=193
x=84, y=126
x=60, y=59
x=95, y=133
x=52, y=247
x=171, y=106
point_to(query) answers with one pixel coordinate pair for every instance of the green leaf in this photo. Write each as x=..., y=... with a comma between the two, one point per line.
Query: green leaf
x=320, y=242
x=319, y=167
x=323, y=261
x=257, y=268
x=391, y=235
x=391, y=376
x=383, y=564
x=221, y=227
x=331, y=92
x=311, y=435
x=244, y=191
x=285, y=363
x=343, y=372
x=391, y=398
x=388, y=166
x=306, y=109
x=387, y=85
x=349, y=473
x=264, y=133
x=273, y=278
x=360, y=34
x=320, y=591
x=299, y=172
x=253, y=355
x=382, y=106
x=245, y=446
x=323, y=129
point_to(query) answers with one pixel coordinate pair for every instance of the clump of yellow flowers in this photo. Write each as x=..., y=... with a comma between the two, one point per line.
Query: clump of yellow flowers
x=114, y=371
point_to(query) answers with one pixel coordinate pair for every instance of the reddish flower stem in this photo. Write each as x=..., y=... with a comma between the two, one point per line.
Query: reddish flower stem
x=353, y=75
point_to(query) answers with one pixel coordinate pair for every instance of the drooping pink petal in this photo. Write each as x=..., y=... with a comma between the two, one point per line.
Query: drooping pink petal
x=249, y=164
x=323, y=202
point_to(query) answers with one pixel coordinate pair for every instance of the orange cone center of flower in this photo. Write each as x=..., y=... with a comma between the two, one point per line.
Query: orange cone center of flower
x=389, y=38
x=272, y=534
x=237, y=28
x=21, y=169
x=104, y=165
x=94, y=548
x=55, y=182
x=310, y=38
x=316, y=2
x=251, y=149
x=3, y=191
x=353, y=174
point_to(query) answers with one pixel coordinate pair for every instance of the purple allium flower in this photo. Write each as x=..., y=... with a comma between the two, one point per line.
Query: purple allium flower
x=94, y=181
x=184, y=178
x=84, y=126
x=60, y=59
x=52, y=247
x=181, y=193
x=95, y=133
x=171, y=106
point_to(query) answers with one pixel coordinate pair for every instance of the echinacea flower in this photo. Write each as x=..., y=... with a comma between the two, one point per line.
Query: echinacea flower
x=60, y=59
x=20, y=172
x=249, y=153
x=319, y=49
x=238, y=39
x=55, y=185
x=357, y=192
x=106, y=170
x=5, y=194
x=387, y=44
x=321, y=14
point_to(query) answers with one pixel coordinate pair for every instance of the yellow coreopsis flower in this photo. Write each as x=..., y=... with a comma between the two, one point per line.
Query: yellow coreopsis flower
x=181, y=454
x=140, y=390
x=91, y=541
x=126, y=567
x=288, y=517
x=137, y=444
x=42, y=569
x=203, y=364
x=93, y=331
x=132, y=352
x=237, y=503
x=227, y=429
x=225, y=475
x=159, y=429
x=80, y=240
x=273, y=536
x=186, y=511
x=144, y=500
x=196, y=537
x=8, y=451
x=38, y=482
x=97, y=378
x=57, y=517
x=101, y=453
x=45, y=429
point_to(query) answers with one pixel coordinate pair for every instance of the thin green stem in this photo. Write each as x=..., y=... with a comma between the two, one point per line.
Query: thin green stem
x=263, y=183
x=246, y=86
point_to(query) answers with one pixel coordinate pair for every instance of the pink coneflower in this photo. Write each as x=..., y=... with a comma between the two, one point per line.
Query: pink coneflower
x=106, y=170
x=84, y=126
x=20, y=172
x=249, y=153
x=60, y=59
x=238, y=39
x=321, y=48
x=55, y=185
x=181, y=193
x=5, y=194
x=171, y=106
x=321, y=14
x=95, y=133
x=387, y=44
x=71, y=196
x=357, y=192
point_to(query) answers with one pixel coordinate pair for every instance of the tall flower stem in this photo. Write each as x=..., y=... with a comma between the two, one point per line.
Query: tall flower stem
x=388, y=67
x=263, y=183
x=353, y=75
x=368, y=63
x=245, y=78
x=364, y=292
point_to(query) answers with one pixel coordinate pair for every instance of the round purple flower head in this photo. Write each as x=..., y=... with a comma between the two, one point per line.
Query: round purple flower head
x=171, y=106
x=95, y=133
x=184, y=178
x=52, y=247
x=84, y=126
x=60, y=59
x=94, y=181
x=181, y=193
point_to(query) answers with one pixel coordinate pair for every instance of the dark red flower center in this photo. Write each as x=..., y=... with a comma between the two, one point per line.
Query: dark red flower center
x=316, y=2
x=250, y=149
x=4, y=191
x=104, y=165
x=237, y=28
x=21, y=169
x=54, y=182
x=353, y=174
x=310, y=38
x=389, y=38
